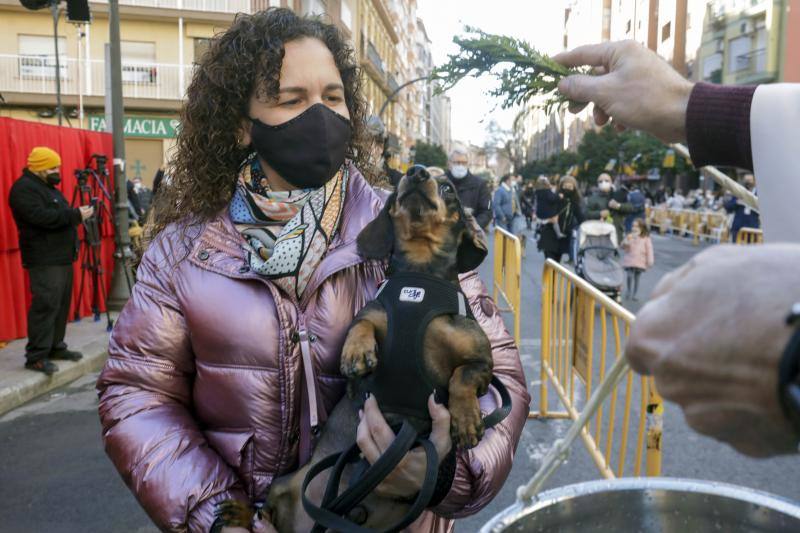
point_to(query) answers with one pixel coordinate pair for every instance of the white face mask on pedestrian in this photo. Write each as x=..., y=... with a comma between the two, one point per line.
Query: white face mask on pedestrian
x=458, y=171
x=604, y=186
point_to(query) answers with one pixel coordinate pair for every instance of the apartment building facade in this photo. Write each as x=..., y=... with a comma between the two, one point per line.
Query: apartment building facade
x=750, y=41
x=161, y=40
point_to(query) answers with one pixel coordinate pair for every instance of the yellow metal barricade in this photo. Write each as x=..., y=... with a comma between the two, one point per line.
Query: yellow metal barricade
x=695, y=226
x=507, y=274
x=578, y=321
x=717, y=226
x=750, y=236
x=659, y=219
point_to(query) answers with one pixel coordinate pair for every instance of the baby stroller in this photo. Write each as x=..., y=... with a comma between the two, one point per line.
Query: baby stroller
x=598, y=259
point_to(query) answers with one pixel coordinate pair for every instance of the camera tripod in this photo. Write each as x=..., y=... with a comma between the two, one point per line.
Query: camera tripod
x=95, y=195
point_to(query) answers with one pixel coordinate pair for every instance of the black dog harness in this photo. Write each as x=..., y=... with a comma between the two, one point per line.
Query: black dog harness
x=401, y=385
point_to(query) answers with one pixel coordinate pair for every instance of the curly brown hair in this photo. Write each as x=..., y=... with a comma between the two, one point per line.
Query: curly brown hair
x=244, y=60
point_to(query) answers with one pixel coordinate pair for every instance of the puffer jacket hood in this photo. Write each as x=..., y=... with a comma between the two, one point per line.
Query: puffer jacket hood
x=216, y=379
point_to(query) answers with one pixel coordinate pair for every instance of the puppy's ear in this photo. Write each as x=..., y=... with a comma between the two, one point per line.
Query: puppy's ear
x=472, y=249
x=376, y=240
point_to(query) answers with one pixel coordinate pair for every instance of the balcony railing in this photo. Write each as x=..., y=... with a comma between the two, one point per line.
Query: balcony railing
x=393, y=85
x=374, y=57
x=36, y=75
x=219, y=6
x=752, y=61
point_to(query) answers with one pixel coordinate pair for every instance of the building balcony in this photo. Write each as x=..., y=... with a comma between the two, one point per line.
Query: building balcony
x=214, y=6
x=375, y=58
x=36, y=75
x=751, y=67
x=393, y=85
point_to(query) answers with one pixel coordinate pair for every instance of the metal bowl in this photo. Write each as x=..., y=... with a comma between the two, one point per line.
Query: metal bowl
x=663, y=505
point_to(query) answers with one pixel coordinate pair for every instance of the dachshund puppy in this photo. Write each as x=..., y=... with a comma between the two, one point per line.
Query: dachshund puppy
x=423, y=229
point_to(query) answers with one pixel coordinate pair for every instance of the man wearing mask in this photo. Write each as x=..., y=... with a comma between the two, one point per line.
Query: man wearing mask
x=472, y=190
x=48, y=243
x=743, y=216
x=605, y=202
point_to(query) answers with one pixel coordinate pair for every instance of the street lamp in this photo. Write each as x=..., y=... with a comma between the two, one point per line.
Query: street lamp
x=375, y=124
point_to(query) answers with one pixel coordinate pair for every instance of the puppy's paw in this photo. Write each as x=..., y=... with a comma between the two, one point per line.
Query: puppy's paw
x=235, y=513
x=466, y=423
x=359, y=356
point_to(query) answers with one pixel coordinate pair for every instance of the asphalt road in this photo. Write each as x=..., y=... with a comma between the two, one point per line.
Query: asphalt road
x=54, y=475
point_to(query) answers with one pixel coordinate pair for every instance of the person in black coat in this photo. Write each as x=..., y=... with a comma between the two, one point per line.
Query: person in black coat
x=134, y=204
x=548, y=204
x=473, y=192
x=48, y=243
x=570, y=216
x=743, y=216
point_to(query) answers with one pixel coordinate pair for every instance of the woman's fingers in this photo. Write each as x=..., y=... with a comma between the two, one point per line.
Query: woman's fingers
x=440, y=431
x=382, y=435
x=365, y=441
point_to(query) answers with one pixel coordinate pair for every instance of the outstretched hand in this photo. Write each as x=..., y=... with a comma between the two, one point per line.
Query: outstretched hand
x=632, y=85
x=374, y=436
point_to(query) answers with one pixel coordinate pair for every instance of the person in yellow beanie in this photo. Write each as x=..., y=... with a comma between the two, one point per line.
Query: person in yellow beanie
x=48, y=243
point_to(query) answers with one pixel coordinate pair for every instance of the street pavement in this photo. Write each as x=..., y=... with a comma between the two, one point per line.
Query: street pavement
x=56, y=476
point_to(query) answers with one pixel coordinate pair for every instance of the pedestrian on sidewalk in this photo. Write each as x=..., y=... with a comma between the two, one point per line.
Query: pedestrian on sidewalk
x=609, y=204
x=570, y=215
x=503, y=203
x=638, y=258
x=528, y=200
x=48, y=243
x=473, y=191
x=743, y=216
x=548, y=204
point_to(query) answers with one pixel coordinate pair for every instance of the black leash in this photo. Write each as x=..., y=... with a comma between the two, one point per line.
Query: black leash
x=332, y=511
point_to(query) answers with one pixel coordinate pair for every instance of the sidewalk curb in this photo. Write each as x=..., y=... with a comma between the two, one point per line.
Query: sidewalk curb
x=35, y=384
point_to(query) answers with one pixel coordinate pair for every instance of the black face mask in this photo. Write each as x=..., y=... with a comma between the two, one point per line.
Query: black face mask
x=307, y=150
x=53, y=178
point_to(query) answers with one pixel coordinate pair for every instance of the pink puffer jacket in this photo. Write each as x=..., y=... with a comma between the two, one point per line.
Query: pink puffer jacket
x=203, y=397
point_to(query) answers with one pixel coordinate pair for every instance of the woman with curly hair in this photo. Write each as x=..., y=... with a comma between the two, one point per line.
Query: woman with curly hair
x=224, y=364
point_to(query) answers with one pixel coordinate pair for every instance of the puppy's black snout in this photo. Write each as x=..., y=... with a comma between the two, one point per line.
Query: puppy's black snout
x=417, y=174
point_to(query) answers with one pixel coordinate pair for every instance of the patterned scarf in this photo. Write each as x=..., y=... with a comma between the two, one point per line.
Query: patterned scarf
x=287, y=233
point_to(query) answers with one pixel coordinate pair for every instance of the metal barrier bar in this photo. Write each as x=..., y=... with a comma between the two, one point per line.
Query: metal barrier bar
x=697, y=224
x=569, y=307
x=508, y=274
x=749, y=236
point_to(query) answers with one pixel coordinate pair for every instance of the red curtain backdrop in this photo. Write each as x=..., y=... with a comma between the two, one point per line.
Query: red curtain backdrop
x=17, y=138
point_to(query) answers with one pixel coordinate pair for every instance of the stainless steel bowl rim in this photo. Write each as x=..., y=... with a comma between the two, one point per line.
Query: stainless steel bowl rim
x=711, y=488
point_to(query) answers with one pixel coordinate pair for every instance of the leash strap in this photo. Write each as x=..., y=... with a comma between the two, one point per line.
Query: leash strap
x=329, y=515
x=331, y=512
x=499, y=414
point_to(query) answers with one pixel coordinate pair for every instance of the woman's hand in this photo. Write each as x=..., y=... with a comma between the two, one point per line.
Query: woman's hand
x=374, y=436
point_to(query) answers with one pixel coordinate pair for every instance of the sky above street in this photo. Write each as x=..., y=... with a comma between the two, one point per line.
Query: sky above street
x=539, y=22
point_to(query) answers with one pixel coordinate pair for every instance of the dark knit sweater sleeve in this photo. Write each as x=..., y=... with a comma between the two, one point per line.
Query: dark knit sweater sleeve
x=718, y=125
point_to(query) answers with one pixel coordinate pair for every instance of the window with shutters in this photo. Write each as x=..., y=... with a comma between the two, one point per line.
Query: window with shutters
x=38, y=57
x=138, y=62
